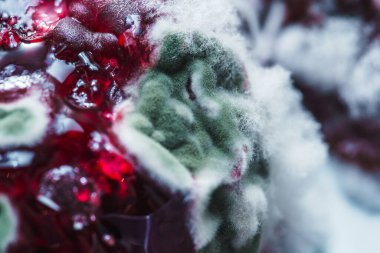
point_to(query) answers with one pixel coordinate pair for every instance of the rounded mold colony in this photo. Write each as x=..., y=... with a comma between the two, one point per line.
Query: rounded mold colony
x=184, y=117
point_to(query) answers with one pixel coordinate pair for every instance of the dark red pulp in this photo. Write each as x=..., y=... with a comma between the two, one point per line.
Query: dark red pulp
x=77, y=173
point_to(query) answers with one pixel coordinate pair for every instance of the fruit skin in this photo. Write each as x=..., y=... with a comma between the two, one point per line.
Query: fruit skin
x=107, y=15
x=95, y=26
x=8, y=223
x=78, y=38
x=184, y=106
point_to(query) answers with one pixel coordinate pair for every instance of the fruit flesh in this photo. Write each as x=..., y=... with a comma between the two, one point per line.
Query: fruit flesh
x=76, y=150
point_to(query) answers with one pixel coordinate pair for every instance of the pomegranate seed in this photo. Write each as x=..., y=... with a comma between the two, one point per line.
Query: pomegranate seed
x=84, y=90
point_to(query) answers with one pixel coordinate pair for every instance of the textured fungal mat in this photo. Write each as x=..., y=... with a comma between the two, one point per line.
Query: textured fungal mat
x=144, y=122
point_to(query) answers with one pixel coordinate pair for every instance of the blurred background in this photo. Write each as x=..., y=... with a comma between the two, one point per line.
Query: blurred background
x=332, y=49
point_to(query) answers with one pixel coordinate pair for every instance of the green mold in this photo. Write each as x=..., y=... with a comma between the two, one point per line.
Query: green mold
x=180, y=49
x=14, y=122
x=7, y=224
x=182, y=106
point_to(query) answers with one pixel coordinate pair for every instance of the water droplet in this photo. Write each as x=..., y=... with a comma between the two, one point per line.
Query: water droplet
x=84, y=90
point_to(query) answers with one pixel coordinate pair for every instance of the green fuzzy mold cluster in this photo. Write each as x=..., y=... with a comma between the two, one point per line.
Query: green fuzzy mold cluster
x=180, y=49
x=7, y=224
x=184, y=106
x=181, y=103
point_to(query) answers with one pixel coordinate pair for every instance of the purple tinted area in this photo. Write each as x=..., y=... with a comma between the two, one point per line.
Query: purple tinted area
x=164, y=231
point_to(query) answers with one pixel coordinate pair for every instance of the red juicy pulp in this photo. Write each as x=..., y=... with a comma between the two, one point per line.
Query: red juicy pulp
x=87, y=96
x=85, y=90
x=121, y=192
x=9, y=39
x=44, y=18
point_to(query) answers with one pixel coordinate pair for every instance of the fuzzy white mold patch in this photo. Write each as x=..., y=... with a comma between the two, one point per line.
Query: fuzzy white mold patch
x=293, y=146
x=8, y=222
x=254, y=201
x=323, y=55
x=362, y=89
x=273, y=117
x=214, y=18
x=208, y=17
x=23, y=122
x=203, y=226
x=156, y=162
x=331, y=58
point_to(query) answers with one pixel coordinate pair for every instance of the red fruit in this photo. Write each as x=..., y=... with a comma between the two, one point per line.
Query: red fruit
x=84, y=90
x=136, y=51
x=9, y=39
x=128, y=41
x=45, y=17
x=114, y=166
x=64, y=185
x=69, y=189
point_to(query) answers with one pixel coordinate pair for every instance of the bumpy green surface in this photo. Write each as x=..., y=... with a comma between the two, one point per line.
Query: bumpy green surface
x=183, y=106
x=191, y=129
x=7, y=223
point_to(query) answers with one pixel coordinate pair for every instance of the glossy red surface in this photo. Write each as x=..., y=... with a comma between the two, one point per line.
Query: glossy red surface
x=63, y=185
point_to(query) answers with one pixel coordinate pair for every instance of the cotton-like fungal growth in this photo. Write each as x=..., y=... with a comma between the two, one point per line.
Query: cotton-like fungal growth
x=152, y=128
x=196, y=134
x=330, y=49
x=349, y=67
x=195, y=76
